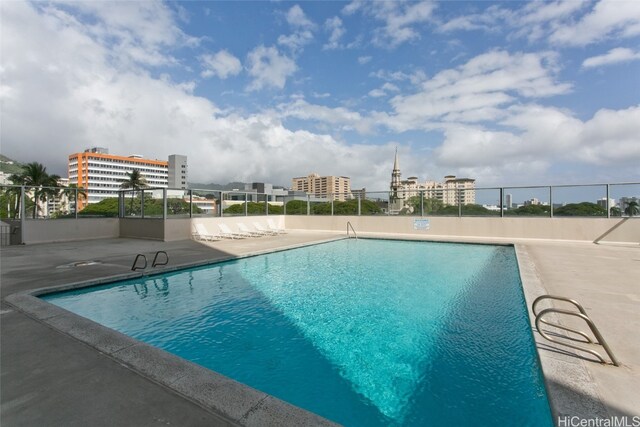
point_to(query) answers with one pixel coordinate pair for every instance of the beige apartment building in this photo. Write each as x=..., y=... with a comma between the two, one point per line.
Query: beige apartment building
x=336, y=187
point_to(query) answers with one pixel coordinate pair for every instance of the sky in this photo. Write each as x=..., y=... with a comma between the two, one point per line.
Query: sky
x=509, y=93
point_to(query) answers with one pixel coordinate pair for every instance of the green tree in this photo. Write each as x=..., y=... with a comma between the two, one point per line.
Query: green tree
x=253, y=208
x=72, y=190
x=632, y=208
x=468, y=209
x=134, y=182
x=296, y=207
x=615, y=211
x=34, y=175
x=530, y=210
x=580, y=209
x=105, y=207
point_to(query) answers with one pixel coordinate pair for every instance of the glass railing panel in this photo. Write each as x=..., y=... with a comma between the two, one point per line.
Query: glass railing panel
x=375, y=203
x=625, y=200
x=579, y=200
x=479, y=202
x=205, y=202
x=527, y=201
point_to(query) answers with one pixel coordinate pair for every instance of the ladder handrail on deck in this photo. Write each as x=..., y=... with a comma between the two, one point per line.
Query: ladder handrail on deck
x=155, y=262
x=582, y=314
x=135, y=262
x=353, y=229
x=155, y=259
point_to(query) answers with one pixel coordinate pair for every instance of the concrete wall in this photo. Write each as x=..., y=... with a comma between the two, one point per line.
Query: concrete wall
x=139, y=228
x=211, y=224
x=61, y=230
x=624, y=230
x=177, y=229
x=613, y=230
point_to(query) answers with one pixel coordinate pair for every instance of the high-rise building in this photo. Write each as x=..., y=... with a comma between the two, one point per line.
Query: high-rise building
x=336, y=187
x=100, y=174
x=450, y=192
x=178, y=172
x=508, y=201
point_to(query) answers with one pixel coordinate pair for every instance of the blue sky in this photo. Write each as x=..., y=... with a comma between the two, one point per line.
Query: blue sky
x=509, y=93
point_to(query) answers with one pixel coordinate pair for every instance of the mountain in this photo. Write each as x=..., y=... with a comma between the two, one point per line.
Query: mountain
x=235, y=185
x=9, y=166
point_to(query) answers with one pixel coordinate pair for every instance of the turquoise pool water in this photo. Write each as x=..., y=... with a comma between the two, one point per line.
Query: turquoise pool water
x=363, y=332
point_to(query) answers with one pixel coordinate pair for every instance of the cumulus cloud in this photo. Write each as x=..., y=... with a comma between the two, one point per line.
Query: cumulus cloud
x=399, y=19
x=567, y=23
x=297, y=18
x=302, y=30
x=135, y=32
x=336, y=29
x=62, y=94
x=545, y=134
x=614, y=56
x=337, y=116
x=364, y=59
x=478, y=90
x=222, y=64
x=269, y=68
x=607, y=19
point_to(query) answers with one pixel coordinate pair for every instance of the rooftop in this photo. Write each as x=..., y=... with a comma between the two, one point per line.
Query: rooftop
x=50, y=376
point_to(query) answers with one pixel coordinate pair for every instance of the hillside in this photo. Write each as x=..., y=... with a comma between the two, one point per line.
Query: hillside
x=9, y=166
x=235, y=185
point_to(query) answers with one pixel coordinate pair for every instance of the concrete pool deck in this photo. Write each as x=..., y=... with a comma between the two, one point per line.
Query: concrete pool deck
x=52, y=378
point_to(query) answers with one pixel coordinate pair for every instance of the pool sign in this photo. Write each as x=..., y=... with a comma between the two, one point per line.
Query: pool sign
x=421, y=224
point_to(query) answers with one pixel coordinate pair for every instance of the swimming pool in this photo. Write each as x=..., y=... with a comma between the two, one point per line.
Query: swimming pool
x=366, y=332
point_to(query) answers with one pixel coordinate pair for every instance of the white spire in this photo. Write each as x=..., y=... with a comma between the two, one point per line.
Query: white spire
x=395, y=161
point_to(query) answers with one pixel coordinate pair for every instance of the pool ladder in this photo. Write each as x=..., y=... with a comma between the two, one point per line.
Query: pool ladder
x=155, y=262
x=349, y=225
x=580, y=314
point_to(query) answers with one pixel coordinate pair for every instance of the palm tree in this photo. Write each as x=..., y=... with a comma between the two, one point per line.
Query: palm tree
x=35, y=175
x=74, y=192
x=615, y=211
x=632, y=208
x=135, y=182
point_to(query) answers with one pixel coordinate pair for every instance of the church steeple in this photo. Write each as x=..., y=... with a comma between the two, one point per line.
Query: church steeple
x=395, y=163
x=395, y=174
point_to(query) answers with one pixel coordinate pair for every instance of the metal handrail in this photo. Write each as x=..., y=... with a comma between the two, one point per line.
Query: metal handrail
x=591, y=325
x=155, y=259
x=569, y=300
x=353, y=229
x=134, y=267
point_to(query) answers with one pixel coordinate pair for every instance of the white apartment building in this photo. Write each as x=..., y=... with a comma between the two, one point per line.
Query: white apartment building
x=339, y=187
x=451, y=191
x=100, y=174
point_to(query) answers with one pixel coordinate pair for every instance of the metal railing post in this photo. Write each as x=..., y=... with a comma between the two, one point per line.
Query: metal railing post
x=266, y=202
x=359, y=204
x=331, y=195
x=459, y=203
x=221, y=204
x=551, y=201
x=607, y=204
x=164, y=203
x=421, y=203
x=141, y=203
x=308, y=204
x=190, y=203
x=246, y=204
x=75, y=207
x=501, y=202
